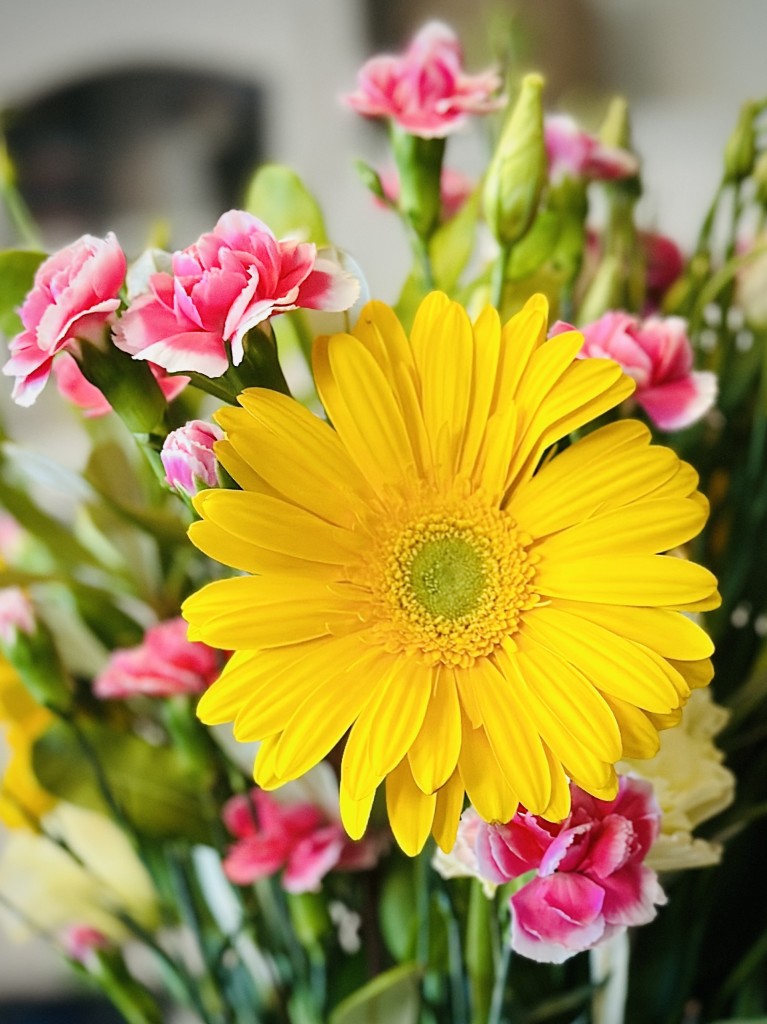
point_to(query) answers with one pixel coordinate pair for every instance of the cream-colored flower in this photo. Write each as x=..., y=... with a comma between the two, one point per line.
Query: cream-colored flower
x=51, y=890
x=691, y=785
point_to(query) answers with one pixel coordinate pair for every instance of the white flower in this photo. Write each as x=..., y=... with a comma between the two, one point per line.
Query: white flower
x=691, y=785
x=52, y=890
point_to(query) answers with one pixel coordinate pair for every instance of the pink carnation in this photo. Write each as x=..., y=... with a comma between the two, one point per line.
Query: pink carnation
x=74, y=386
x=425, y=90
x=164, y=664
x=573, y=153
x=657, y=354
x=75, y=293
x=297, y=839
x=590, y=880
x=188, y=459
x=223, y=285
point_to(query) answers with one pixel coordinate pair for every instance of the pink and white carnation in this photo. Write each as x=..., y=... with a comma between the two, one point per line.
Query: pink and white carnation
x=164, y=664
x=573, y=153
x=75, y=294
x=657, y=354
x=188, y=459
x=230, y=280
x=425, y=91
x=77, y=389
x=298, y=839
x=590, y=880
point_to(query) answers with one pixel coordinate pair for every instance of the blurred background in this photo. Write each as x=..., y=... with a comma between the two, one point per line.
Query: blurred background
x=147, y=118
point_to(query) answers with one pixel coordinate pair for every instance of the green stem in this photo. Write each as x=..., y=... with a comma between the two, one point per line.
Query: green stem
x=498, y=277
x=16, y=207
x=495, y=1015
x=479, y=953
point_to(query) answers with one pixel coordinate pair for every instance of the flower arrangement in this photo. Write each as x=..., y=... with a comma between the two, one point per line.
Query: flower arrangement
x=455, y=612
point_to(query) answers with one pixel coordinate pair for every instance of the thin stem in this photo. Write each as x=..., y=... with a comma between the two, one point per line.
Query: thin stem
x=498, y=277
x=495, y=1016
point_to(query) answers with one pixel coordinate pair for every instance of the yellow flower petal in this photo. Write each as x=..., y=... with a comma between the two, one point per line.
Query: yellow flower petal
x=433, y=754
x=447, y=813
x=411, y=812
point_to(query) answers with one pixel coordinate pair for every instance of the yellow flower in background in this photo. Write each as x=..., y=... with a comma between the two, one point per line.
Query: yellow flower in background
x=46, y=887
x=691, y=785
x=22, y=799
x=481, y=619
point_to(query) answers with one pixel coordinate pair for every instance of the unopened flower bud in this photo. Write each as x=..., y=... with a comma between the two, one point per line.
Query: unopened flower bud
x=517, y=171
x=188, y=459
x=616, y=127
x=740, y=151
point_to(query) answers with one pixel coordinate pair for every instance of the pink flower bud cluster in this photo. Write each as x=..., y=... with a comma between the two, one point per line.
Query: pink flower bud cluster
x=192, y=319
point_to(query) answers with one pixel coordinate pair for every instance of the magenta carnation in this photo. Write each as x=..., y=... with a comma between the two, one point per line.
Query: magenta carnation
x=227, y=282
x=164, y=664
x=297, y=839
x=425, y=90
x=590, y=880
x=75, y=293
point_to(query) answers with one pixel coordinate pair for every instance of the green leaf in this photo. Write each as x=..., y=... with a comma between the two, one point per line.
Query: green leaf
x=391, y=998
x=278, y=196
x=156, y=789
x=17, y=274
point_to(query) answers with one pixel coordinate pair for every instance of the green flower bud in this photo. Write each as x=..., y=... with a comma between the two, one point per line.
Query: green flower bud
x=760, y=179
x=616, y=127
x=740, y=151
x=517, y=171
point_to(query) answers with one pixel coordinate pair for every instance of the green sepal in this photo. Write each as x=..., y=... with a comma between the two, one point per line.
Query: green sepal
x=127, y=384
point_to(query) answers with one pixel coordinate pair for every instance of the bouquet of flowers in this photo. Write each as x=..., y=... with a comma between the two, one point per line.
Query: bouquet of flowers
x=381, y=693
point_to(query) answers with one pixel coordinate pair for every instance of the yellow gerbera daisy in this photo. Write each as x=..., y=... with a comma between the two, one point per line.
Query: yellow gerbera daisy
x=480, y=619
x=22, y=799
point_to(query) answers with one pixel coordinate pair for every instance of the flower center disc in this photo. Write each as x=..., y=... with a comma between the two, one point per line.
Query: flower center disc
x=448, y=576
x=450, y=582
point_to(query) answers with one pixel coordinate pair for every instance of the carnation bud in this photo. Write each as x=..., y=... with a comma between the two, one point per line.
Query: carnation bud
x=188, y=459
x=517, y=171
x=740, y=151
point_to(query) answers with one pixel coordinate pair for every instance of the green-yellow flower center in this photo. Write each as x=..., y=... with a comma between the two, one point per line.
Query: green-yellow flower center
x=447, y=576
x=449, y=583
